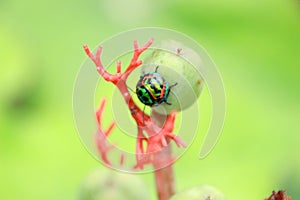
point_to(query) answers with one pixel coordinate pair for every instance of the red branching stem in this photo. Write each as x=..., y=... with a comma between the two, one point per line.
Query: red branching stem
x=164, y=176
x=153, y=149
x=137, y=52
x=119, y=79
x=101, y=135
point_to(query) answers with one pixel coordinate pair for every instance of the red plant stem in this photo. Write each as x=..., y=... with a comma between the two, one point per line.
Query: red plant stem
x=159, y=133
x=164, y=177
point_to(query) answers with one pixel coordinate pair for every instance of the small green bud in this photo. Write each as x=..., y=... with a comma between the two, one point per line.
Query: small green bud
x=111, y=185
x=204, y=192
x=174, y=64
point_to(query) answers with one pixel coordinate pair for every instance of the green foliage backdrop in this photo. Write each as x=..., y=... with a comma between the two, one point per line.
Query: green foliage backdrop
x=255, y=44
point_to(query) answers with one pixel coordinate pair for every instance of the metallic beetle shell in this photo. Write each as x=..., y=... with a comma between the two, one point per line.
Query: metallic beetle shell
x=152, y=89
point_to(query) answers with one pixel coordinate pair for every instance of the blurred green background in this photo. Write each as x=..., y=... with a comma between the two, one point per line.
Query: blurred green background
x=255, y=44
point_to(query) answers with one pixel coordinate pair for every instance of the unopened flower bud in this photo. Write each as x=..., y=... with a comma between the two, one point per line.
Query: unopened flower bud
x=204, y=192
x=178, y=65
x=110, y=185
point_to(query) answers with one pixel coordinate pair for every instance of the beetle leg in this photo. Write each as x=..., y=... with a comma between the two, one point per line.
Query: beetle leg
x=168, y=103
x=144, y=115
x=130, y=89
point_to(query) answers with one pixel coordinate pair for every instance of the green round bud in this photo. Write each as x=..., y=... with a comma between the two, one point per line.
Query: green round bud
x=174, y=64
x=111, y=185
x=204, y=192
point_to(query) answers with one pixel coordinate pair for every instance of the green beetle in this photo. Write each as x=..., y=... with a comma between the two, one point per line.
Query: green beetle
x=152, y=89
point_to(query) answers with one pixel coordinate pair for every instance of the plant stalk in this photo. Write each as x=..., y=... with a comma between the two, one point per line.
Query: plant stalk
x=164, y=177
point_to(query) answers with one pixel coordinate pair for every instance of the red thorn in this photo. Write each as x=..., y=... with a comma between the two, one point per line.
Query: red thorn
x=100, y=110
x=110, y=128
x=147, y=44
x=119, y=67
x=122, y=158
x=139, y=62
x=135, y=44
x=86, y=49
x=179, y=142
x=164, y=142
x=98, y=53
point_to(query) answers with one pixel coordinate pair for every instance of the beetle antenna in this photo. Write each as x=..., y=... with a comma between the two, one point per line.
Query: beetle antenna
x=173, y=85
x=156, y=68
